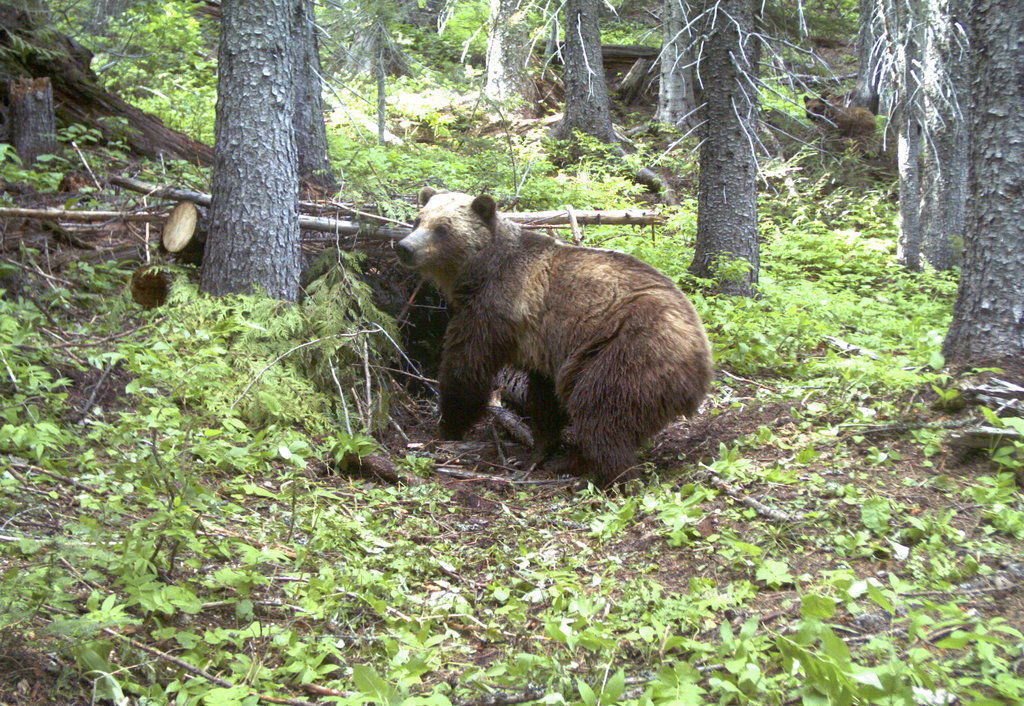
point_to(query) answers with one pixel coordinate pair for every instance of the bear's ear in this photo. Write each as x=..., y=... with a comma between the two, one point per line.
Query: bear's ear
x=425, y=194
x=807, y=99
x=485, y=207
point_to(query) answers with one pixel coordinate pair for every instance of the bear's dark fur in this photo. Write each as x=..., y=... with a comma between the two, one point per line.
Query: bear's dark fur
x=848, y=121
x=613, y=351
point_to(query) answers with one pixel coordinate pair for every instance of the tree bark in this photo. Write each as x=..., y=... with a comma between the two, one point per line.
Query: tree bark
x=868, y=88
x=988, y=317
x=909, y=21
x=310, y=131
x=944, y=157
x=726, y=191
x=587, y=108
x=254, y=230
x=508, y=51
x=675, y=93
x=32, y=122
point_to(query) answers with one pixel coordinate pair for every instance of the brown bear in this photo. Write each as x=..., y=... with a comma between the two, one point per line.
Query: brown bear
x=611, y=348
x=848, y=121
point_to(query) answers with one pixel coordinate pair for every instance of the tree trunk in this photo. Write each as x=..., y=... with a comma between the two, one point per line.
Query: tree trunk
x=29, y=47
x=675, y=94
x=909, y=21
x=868, y=88
x=944, y=158
x=727, y=247
x=32, y=125
x=310, y=131
x=254, y=230
x=988, y=318
x=587, y=107
x=508, y=51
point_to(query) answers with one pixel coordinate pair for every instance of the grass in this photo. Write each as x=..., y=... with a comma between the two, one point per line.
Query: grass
x=173, y=526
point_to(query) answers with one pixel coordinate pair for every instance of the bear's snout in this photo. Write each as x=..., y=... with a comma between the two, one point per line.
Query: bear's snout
x=406, y=253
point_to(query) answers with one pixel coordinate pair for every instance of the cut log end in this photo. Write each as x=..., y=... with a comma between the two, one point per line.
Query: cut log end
x=149, y=286
x=180, y=227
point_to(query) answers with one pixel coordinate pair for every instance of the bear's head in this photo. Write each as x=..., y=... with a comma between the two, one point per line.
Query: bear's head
x=452, y=230
x=818, y=110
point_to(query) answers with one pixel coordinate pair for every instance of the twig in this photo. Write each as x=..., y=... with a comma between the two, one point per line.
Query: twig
x=87, y=167
x=512, y=424
x=80, y=415
x=577, y=236
x=57, y=476
x=276, y=360
x=759, y=507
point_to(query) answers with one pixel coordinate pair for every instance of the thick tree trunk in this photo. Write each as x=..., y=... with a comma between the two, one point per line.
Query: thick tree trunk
x=727, y=246
x=32, y=125
x=944, y=157
x=508, y=51
x=587, y=108
x=675, y=93
x=310, y=131
x=988, y=318
x=254, y=230
x=867, y=90
x=28, y=48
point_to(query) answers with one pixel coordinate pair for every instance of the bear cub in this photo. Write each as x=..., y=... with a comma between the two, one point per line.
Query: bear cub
x=611, y=348
x=848, y=121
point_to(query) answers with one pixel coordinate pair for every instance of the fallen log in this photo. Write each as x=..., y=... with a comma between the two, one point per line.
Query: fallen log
x=30, y=48
x=636, y=217
x=60, y=214
x=630, y=217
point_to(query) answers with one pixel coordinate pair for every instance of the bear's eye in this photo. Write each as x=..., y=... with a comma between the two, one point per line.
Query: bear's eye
x=441, y=230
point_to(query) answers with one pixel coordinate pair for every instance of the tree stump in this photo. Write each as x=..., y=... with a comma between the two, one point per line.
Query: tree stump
x=32, y=127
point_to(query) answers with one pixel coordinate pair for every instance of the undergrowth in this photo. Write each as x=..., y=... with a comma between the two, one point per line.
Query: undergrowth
x=171, y=530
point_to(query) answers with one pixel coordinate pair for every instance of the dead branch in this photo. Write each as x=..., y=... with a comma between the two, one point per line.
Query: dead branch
x=631, y=217
x=379, y=467
x=60, y=214
x=849, y=348
x=512, y=424
x=759, y=507
x=985, y=437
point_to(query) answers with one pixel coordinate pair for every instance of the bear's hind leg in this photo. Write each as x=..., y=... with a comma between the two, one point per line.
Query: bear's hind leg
x=546, y=417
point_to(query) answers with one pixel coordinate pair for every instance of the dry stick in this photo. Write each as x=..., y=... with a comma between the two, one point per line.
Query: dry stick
x=271, y=364
x=87, y=167
x=512, y=424
x=577, y=236
x=191, y=668
x=60, y=214
x=759, y=507
x=58, y=476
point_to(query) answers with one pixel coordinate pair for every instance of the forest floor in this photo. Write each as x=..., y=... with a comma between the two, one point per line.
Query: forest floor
x=805, y=536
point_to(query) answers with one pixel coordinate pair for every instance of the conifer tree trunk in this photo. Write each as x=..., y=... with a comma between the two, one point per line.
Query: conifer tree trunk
x=508, y=50
x=32, y=123
x=944, y=156
x=988, y=317
x=310, y=131
x=726, y=192
x=254, y=232
x=909, y=20
x=675, y=93
x=587, y=108
x=867, y=90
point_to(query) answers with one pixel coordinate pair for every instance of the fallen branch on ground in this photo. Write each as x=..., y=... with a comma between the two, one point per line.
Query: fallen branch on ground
x=759, y=507
x=60, y=214
x=380, y=467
